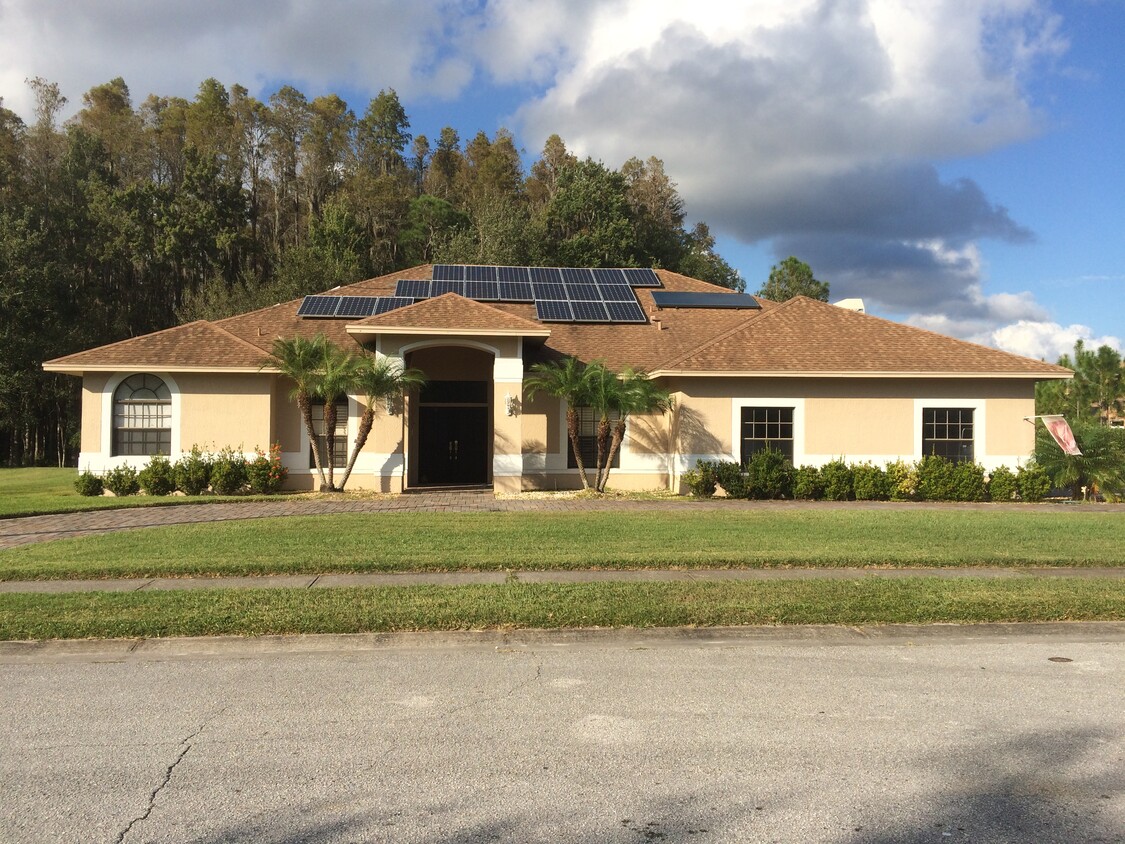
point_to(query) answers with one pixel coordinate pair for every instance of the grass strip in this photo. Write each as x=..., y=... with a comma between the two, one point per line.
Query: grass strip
x=393, y=542
x=521, y=605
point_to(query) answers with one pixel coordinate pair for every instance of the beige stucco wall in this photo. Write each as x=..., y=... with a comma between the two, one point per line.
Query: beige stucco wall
x=93, y=385
x=219, y=410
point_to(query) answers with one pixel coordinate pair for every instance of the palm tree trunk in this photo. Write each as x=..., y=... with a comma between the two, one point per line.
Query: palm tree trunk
x=572, y=430
x=330, y=438
x=306, y=414
x=618, y=436
x=365, y=423
x=603, y=442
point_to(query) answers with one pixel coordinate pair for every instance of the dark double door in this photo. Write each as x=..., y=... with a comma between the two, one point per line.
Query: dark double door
x=452, y=445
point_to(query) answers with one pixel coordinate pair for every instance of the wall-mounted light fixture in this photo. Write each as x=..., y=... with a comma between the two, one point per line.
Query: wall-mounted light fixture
x=509, y=404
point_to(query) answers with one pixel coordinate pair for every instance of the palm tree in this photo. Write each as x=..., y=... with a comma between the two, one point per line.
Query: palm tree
x=1100, y=467
x=336, y=375
x=604, y=390
x=566, y=380
x=377, y=378
x=299, y=359
x=636, y=393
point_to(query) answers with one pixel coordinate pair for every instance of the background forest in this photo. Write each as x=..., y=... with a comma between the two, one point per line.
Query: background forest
x=127, y=220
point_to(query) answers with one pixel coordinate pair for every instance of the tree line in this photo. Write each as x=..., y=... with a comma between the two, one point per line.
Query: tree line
x=127, y=219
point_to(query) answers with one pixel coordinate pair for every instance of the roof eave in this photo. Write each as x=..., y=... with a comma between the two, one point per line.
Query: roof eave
x=79, y=369
x=783, y=373
x=446, y=332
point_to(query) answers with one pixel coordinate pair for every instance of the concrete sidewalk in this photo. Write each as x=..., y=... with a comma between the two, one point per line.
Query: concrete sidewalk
x=329, y=581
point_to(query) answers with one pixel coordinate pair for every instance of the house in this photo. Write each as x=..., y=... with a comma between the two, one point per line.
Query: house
x=815, y=380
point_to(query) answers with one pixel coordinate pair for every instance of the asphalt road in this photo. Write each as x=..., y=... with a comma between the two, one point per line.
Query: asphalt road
x=796, y=735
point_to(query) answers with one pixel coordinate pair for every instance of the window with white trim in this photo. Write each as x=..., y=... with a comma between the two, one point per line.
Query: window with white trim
x=948, y=432
x=142, y=416
x=341, y=434
x=766, y=427
x=588, y=420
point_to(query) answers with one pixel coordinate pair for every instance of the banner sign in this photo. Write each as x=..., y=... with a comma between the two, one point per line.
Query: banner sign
x=1062, y=434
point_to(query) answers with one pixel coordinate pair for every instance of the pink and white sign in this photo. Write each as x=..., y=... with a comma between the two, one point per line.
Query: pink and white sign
x=1062, y=434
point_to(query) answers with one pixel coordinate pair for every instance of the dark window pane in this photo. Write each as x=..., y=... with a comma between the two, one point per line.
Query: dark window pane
x=948, y=432
x=766, y=427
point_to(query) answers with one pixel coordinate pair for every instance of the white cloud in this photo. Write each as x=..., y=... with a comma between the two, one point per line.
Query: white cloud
x=1047, y=340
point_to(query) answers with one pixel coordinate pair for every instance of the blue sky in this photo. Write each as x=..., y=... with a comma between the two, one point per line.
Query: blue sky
x=956, y=163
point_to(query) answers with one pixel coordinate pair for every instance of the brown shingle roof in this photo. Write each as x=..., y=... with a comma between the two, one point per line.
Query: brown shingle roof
x=197, y=344
x=805, y=335
x=451, y=312
x=799, y=336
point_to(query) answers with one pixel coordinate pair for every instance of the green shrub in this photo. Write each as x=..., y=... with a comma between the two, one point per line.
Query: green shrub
x=769, y=474
x=122, y=480
x=902, y=481
x=1002, y=484
x=839, y=483
x=935, y=479
x=265, y=474
x=870, y=483
x=1033, y=482
x=808, y=483
x=728, y=474
x=88, y=484
x=157, y=477
x=228, y=472
x=193, y=471
x=968, y=482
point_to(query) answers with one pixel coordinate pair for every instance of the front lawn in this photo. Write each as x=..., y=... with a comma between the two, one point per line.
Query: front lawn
x=685, y=537
x=518, y=605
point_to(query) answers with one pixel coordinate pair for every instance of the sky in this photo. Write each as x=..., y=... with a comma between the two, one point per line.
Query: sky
x=957, y=164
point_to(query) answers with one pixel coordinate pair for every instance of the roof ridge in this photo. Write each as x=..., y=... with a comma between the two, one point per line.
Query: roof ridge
x=469, y=304
x=723, y=336
x=236, y=338
x=129, y=339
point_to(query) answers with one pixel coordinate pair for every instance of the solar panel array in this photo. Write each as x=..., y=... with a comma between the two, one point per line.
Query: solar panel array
x=560, y=294
x=350, y=307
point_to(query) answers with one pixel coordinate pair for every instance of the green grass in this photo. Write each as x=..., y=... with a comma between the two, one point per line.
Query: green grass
x=758, y=537
x=35, y=492
x=515, y=605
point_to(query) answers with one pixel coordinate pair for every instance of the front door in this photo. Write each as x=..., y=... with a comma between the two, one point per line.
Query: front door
x=452, y=438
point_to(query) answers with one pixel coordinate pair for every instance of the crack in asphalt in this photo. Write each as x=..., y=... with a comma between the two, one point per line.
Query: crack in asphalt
x=187, y=746
x=522, y=684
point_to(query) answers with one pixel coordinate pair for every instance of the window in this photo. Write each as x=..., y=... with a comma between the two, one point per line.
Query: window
x=948, y=432
x=588, y=420
x=766, y=427
x=341, y=434
x=142, y=416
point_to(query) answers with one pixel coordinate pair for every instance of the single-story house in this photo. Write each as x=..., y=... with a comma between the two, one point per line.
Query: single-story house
x=813, y=379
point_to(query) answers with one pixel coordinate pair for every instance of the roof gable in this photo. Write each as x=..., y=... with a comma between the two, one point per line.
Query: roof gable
x=450, y=313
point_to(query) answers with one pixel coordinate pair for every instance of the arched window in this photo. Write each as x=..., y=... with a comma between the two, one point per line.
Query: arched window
x=142, y=416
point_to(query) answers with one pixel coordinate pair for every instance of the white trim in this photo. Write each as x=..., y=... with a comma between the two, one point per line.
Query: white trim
x=448, y=341
x=798, y=405
x=784, y=373
x=507, y=465
x=106, y=459
x=135, y=368
x=445, y=332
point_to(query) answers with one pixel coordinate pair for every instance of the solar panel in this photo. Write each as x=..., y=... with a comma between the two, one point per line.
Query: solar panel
x=617, y=293
x=641, y=278
x=553, y=311
x=589, y=312
x=391, y=303
x=453, y=272
x=440, y=287
x=577, y=275
x=319, y=306
x=545, y=290
x=415, y=289
x=480, y=273
x=356, y=306
x=513, y=274
x=669, y=299
x=482, y=291
x=546, y=275
x=582, y=292
x=604, y=276
x=516, y=291
x=625, y=312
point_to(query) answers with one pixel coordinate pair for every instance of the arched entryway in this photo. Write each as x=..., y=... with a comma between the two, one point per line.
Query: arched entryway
x=451, y=419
